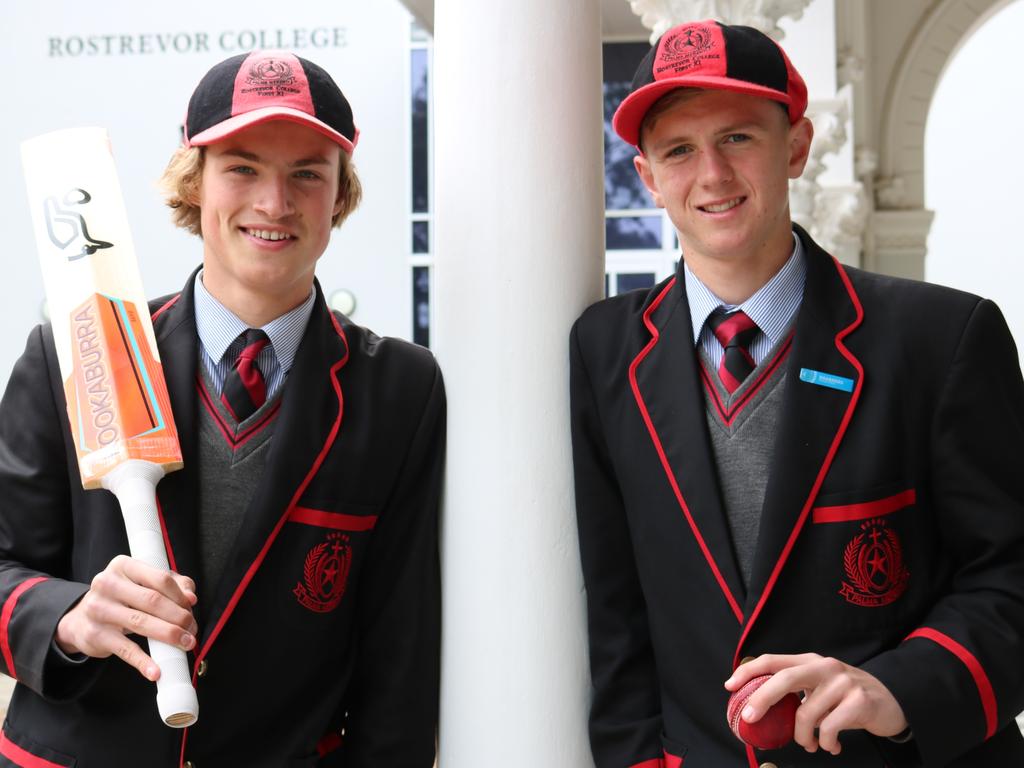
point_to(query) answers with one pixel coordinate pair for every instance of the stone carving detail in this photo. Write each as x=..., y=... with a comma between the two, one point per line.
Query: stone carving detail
x=865, y=163
x=660, y=15
x=835, y=215
x=891, y=193
x=850, y=68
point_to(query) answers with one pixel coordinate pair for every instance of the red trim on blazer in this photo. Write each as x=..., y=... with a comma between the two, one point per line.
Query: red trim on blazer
x=170, y=303
x=668, y=761
x=167, y=539
x=988, y=696
x=751, y=757
x=335, y=520
x=329, y=743
x=254, y=566
x=21, y=757
x=236, y=441
x=5, y=620
x=729, y=416
x=855, y=397
x=655, y=335
x=846, y=513
x=184, y=738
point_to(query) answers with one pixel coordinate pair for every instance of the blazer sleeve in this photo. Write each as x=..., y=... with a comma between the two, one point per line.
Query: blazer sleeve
x=966, y=653
x=36, y=528
x=392, y=706
x=625, y=714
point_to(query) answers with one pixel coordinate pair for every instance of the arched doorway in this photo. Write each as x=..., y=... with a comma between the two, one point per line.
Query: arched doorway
x=973, y=166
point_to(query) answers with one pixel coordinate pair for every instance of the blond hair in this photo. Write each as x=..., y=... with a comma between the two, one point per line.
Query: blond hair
x=183, y=176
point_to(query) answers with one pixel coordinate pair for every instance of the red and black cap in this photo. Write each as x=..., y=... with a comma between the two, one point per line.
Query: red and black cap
x=252, y=88
x=708, y=54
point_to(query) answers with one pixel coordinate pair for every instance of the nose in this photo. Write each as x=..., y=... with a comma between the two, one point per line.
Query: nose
x=274, y=197
x=714, y=167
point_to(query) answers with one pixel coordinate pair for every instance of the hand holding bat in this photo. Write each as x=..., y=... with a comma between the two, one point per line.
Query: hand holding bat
x=118, y=408
x=129, y=596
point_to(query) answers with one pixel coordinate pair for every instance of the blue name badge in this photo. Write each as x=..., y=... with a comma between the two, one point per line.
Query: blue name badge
x=829, y=380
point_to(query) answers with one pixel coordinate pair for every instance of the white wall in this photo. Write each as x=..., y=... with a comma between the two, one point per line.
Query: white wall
x=54, y=79
x=974, y=164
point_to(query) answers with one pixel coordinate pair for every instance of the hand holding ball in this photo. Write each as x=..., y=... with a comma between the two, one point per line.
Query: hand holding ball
x=774, y=729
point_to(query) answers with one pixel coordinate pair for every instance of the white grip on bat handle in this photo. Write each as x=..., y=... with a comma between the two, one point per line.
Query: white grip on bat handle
x=133, y=482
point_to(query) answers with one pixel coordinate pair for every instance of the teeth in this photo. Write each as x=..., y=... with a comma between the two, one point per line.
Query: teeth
x=264, y=234
x=723, y=206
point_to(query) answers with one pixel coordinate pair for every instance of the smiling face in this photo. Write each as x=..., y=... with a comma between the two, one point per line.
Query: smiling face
x=719, y=163
x=267, y=197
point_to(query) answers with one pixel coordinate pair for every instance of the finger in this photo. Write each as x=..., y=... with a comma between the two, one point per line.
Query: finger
x=105, y=616
x=187, y=587
x=133, y=655
x=101, y=641
x=177, y=588
x=766, y=664
x=114, y=589
x=809, y=714
x=795, y=679
x=850, y=713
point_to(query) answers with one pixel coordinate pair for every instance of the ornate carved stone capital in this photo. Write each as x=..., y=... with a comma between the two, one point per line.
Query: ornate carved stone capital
x=865, y=163
x=835, y=215
x=850, y=68
x=829, y=117
x=891, y=193
x=660, y=15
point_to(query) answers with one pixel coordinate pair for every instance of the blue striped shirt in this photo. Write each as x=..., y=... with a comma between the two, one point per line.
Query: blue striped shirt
x=219, y=345
x=772, y=307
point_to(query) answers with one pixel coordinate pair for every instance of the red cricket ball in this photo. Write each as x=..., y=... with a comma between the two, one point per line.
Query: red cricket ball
x=774, y=729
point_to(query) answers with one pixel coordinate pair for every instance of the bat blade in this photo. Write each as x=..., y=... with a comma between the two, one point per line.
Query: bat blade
x=118, y=406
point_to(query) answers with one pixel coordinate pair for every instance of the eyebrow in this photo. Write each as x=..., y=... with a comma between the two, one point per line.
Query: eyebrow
x=252, y=157
x=739, y=127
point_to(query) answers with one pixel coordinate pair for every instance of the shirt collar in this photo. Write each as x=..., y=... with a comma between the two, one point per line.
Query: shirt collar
x=772, y=306
x=218, y=326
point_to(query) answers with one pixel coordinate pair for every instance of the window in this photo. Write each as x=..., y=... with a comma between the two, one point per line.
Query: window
x=420, y=258
x=639, y=239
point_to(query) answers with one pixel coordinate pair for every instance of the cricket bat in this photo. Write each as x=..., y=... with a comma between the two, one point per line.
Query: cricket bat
x=117, y=401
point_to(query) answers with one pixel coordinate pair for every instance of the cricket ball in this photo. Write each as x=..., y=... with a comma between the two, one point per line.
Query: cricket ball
x=774, y=729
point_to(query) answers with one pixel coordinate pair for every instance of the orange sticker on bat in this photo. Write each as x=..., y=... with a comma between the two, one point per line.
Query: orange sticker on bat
x=117, y=398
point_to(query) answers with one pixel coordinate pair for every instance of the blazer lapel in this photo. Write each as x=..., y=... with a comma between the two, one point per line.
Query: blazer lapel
x=307, y=425
x=667, y=387
x=178, y=492
x=814, y=418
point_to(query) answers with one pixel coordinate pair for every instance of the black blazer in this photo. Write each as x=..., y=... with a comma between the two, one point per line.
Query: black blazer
x=355, y=459
x=891, y=537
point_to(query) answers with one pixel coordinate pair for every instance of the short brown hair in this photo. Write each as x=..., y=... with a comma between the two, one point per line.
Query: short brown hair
x=184, y=173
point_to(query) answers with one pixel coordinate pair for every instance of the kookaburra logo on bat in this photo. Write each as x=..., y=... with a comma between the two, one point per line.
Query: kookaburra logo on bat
x=67, y=227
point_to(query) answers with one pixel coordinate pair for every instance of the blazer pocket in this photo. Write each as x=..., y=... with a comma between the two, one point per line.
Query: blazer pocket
x=19, y=750
x=675, y=753
x=865, y=505
x=324, y=547
x=353, y=518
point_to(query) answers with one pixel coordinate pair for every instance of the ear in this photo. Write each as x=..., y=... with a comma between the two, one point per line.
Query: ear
x=643, y=169
x=801, y=134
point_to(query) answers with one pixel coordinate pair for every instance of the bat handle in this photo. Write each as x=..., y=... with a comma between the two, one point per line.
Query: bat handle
x=133, y=482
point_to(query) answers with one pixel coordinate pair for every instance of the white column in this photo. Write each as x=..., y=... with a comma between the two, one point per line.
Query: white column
x=519, y=254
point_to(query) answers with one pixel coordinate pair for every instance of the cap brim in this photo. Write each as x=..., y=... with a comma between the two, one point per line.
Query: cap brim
x=630, y=114
x=233, y=125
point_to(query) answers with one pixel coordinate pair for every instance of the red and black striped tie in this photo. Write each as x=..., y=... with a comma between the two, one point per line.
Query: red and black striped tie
x=735, y=331
x=244, y=388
